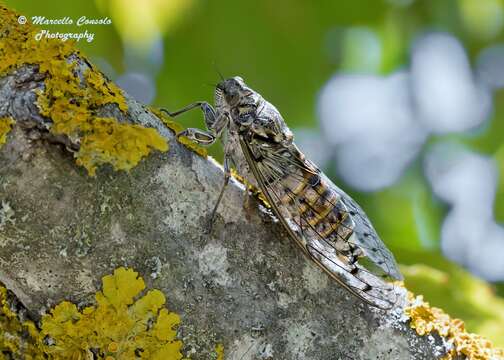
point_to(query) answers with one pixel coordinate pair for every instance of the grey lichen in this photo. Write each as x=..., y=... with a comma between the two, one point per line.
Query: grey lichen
x=6, y=214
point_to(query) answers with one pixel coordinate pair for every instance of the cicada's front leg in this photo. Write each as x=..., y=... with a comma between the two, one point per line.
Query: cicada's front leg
x=212, y=122
x=201, y=137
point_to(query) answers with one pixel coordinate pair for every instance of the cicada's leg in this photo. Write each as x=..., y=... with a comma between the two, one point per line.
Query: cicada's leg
x=248, y=203
x=214, y=123
x=208, y=112
x=201, y=137
x=227, y=176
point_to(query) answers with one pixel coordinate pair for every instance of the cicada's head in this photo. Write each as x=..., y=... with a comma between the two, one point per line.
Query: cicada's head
x=234, y=97
x=250, y=112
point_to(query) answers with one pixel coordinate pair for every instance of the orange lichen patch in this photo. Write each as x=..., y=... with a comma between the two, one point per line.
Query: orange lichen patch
x=5, y=126
x=71, y=100
x=177, y=128
x=118, y=327
x=426, y=319
x=191, y=145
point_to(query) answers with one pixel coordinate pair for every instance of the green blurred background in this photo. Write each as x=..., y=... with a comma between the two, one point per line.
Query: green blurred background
x=288, y=50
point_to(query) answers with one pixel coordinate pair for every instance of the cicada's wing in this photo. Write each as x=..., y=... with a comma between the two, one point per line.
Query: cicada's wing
x=325, y=222
x=367, y=238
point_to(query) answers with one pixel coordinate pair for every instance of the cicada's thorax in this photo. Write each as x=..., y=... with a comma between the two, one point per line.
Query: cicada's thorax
x=234, y=133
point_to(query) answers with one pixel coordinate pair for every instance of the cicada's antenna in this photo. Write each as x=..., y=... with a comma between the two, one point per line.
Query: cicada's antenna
x=218, y=71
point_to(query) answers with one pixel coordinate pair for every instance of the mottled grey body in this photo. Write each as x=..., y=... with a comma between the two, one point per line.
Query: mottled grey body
x=323, y=220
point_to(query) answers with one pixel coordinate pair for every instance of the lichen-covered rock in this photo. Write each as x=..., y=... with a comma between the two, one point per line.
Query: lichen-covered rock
x=70, y=93
x=5, y=127
x=245, y=285
x=121, y=325
x=243, y=291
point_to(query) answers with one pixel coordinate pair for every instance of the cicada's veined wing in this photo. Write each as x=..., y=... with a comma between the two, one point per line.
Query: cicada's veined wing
x=367, y=238
x=324, y=221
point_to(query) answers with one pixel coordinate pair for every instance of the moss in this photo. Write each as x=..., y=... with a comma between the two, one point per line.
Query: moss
x=177, y=128
x=426, y=319
x=5, y=126
x=71, y=102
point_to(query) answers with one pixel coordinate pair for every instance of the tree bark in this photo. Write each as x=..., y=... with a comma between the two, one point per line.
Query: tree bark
x=245, y=285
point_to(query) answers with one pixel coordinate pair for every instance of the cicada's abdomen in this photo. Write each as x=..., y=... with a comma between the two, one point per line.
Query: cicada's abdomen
x=313, y=204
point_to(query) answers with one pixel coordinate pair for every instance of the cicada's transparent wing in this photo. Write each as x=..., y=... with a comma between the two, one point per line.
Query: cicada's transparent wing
x=325, y=222
x=367, y=238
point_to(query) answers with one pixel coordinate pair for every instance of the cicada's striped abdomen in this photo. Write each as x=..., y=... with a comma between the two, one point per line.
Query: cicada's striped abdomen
x=323, y=221
x=317, y=208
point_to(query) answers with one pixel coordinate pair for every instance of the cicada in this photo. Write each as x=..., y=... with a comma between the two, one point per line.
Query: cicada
x=328, y=226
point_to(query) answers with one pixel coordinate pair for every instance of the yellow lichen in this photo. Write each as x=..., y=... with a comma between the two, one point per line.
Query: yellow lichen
x=17, y=337
x=258, y=194
x=219, y=350
x=121, y=145
x=110, y=92
x=121, y=325
x=117, y=327
x=426, y=319
x=5, y=126
x=71, y=100
x=177, y=128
